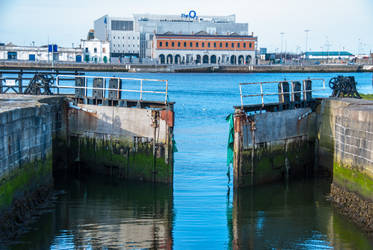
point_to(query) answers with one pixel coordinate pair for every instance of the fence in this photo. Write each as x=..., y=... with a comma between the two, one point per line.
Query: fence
x=284, y=93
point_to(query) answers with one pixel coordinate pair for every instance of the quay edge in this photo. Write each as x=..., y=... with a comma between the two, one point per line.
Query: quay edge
x=336, y=137
x=41, y=137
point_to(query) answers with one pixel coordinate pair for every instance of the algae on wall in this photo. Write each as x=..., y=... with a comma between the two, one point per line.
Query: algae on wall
x=131, y=143
x=28, y=176
x=123, y=158
x=273, y=145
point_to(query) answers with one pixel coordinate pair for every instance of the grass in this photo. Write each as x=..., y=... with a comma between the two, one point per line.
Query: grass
x=367, y=96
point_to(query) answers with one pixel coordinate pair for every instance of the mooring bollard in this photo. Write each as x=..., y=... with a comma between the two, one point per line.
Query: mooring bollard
x=307, y=90
x=98, y=93
x=115, y=83
x=296, y=94
x=283, y=92
x=79, y=92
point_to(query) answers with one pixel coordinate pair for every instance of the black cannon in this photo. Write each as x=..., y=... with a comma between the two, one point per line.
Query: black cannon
x=344, y=86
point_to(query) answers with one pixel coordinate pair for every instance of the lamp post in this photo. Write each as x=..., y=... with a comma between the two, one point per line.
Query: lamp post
x=307, y=30
x=282, y=41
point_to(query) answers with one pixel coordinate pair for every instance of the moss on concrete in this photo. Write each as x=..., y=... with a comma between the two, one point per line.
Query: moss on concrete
x=270, y=161
x=353, y=180
x=367, y=96
x=25, y=178
x=120, y=157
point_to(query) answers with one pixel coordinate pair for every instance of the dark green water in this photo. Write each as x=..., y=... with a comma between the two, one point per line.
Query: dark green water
x=200, y=211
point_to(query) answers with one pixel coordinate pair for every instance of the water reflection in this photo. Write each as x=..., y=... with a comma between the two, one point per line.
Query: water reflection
x=99, y=213
x=291, y=216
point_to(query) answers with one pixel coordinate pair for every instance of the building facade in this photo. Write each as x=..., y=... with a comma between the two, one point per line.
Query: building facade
x=133, y=37
x=95, y=51
x=124, y=40
x=204, y=48
x=45, y=53
x=330, y=55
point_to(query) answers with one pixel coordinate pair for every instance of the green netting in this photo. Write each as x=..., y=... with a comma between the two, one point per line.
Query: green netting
x=230, y=139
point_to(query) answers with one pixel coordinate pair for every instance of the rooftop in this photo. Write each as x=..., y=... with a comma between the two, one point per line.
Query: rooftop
x=328, y=53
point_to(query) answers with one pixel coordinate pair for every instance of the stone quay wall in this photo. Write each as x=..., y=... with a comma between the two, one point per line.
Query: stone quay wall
x=27, y=126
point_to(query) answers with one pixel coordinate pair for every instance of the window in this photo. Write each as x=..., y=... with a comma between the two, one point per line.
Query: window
x=86, y=50
x=232, y=45
x=191, y=44
x=208, y=45
x=226, y=45
x=178, y=44
x=160, y=44
x=221, y=45
x=184, y=44
x=113, y=37
x=203, y=45
x=103, y=50
x=238, y=45
x=244, y=45
x=122, y=25
x=166, y=44
x=250, y=45
x=214, y=45
x=197, y=44
x=173, y=44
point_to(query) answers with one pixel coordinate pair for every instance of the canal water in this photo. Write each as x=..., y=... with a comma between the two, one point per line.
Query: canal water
x=201, y=211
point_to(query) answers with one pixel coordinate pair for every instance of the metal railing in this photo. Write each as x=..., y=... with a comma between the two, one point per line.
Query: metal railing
x=105, y=90
x=281, y=92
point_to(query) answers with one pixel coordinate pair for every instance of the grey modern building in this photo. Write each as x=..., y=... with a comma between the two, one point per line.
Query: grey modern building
x=131, y=38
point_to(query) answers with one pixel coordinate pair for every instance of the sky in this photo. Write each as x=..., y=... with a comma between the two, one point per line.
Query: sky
x=333, y=24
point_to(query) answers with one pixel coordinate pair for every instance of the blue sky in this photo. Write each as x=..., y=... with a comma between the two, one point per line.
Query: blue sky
x=341, y=24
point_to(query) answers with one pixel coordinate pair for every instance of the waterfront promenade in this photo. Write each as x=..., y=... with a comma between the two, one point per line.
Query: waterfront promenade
x=180, y=68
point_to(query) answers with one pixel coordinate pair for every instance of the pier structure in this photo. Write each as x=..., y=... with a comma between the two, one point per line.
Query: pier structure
x=91, y=126
x=300, y=135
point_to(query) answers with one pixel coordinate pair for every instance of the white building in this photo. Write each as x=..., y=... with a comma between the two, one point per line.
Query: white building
x=43, y=53
x=124, y=40
x=95, y=51
x=133, y=37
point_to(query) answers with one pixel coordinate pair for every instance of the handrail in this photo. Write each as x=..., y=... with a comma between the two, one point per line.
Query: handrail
x=281, y=93
x=60, y=78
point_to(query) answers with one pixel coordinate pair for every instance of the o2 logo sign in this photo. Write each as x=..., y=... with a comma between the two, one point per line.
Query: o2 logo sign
x=192, y=15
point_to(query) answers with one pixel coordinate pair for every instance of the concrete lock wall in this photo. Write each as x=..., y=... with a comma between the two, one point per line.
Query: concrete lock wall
x=350, y=156
x=337, y=137
x=27, y=126
x=130, y=143
x=272, y=145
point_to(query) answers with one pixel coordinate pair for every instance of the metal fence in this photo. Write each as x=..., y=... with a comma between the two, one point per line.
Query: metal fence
x=293, y=94
x=106, y=89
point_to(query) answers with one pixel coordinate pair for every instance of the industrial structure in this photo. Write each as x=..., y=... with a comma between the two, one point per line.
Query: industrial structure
x=51, y=52
x=133, y=39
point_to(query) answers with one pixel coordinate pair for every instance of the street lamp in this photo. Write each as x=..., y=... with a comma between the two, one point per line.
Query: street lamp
x=282, y=41
x=306, y=39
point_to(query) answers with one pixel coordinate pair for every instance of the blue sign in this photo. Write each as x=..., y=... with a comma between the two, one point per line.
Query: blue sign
x=192, y=15
x=52, y=47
